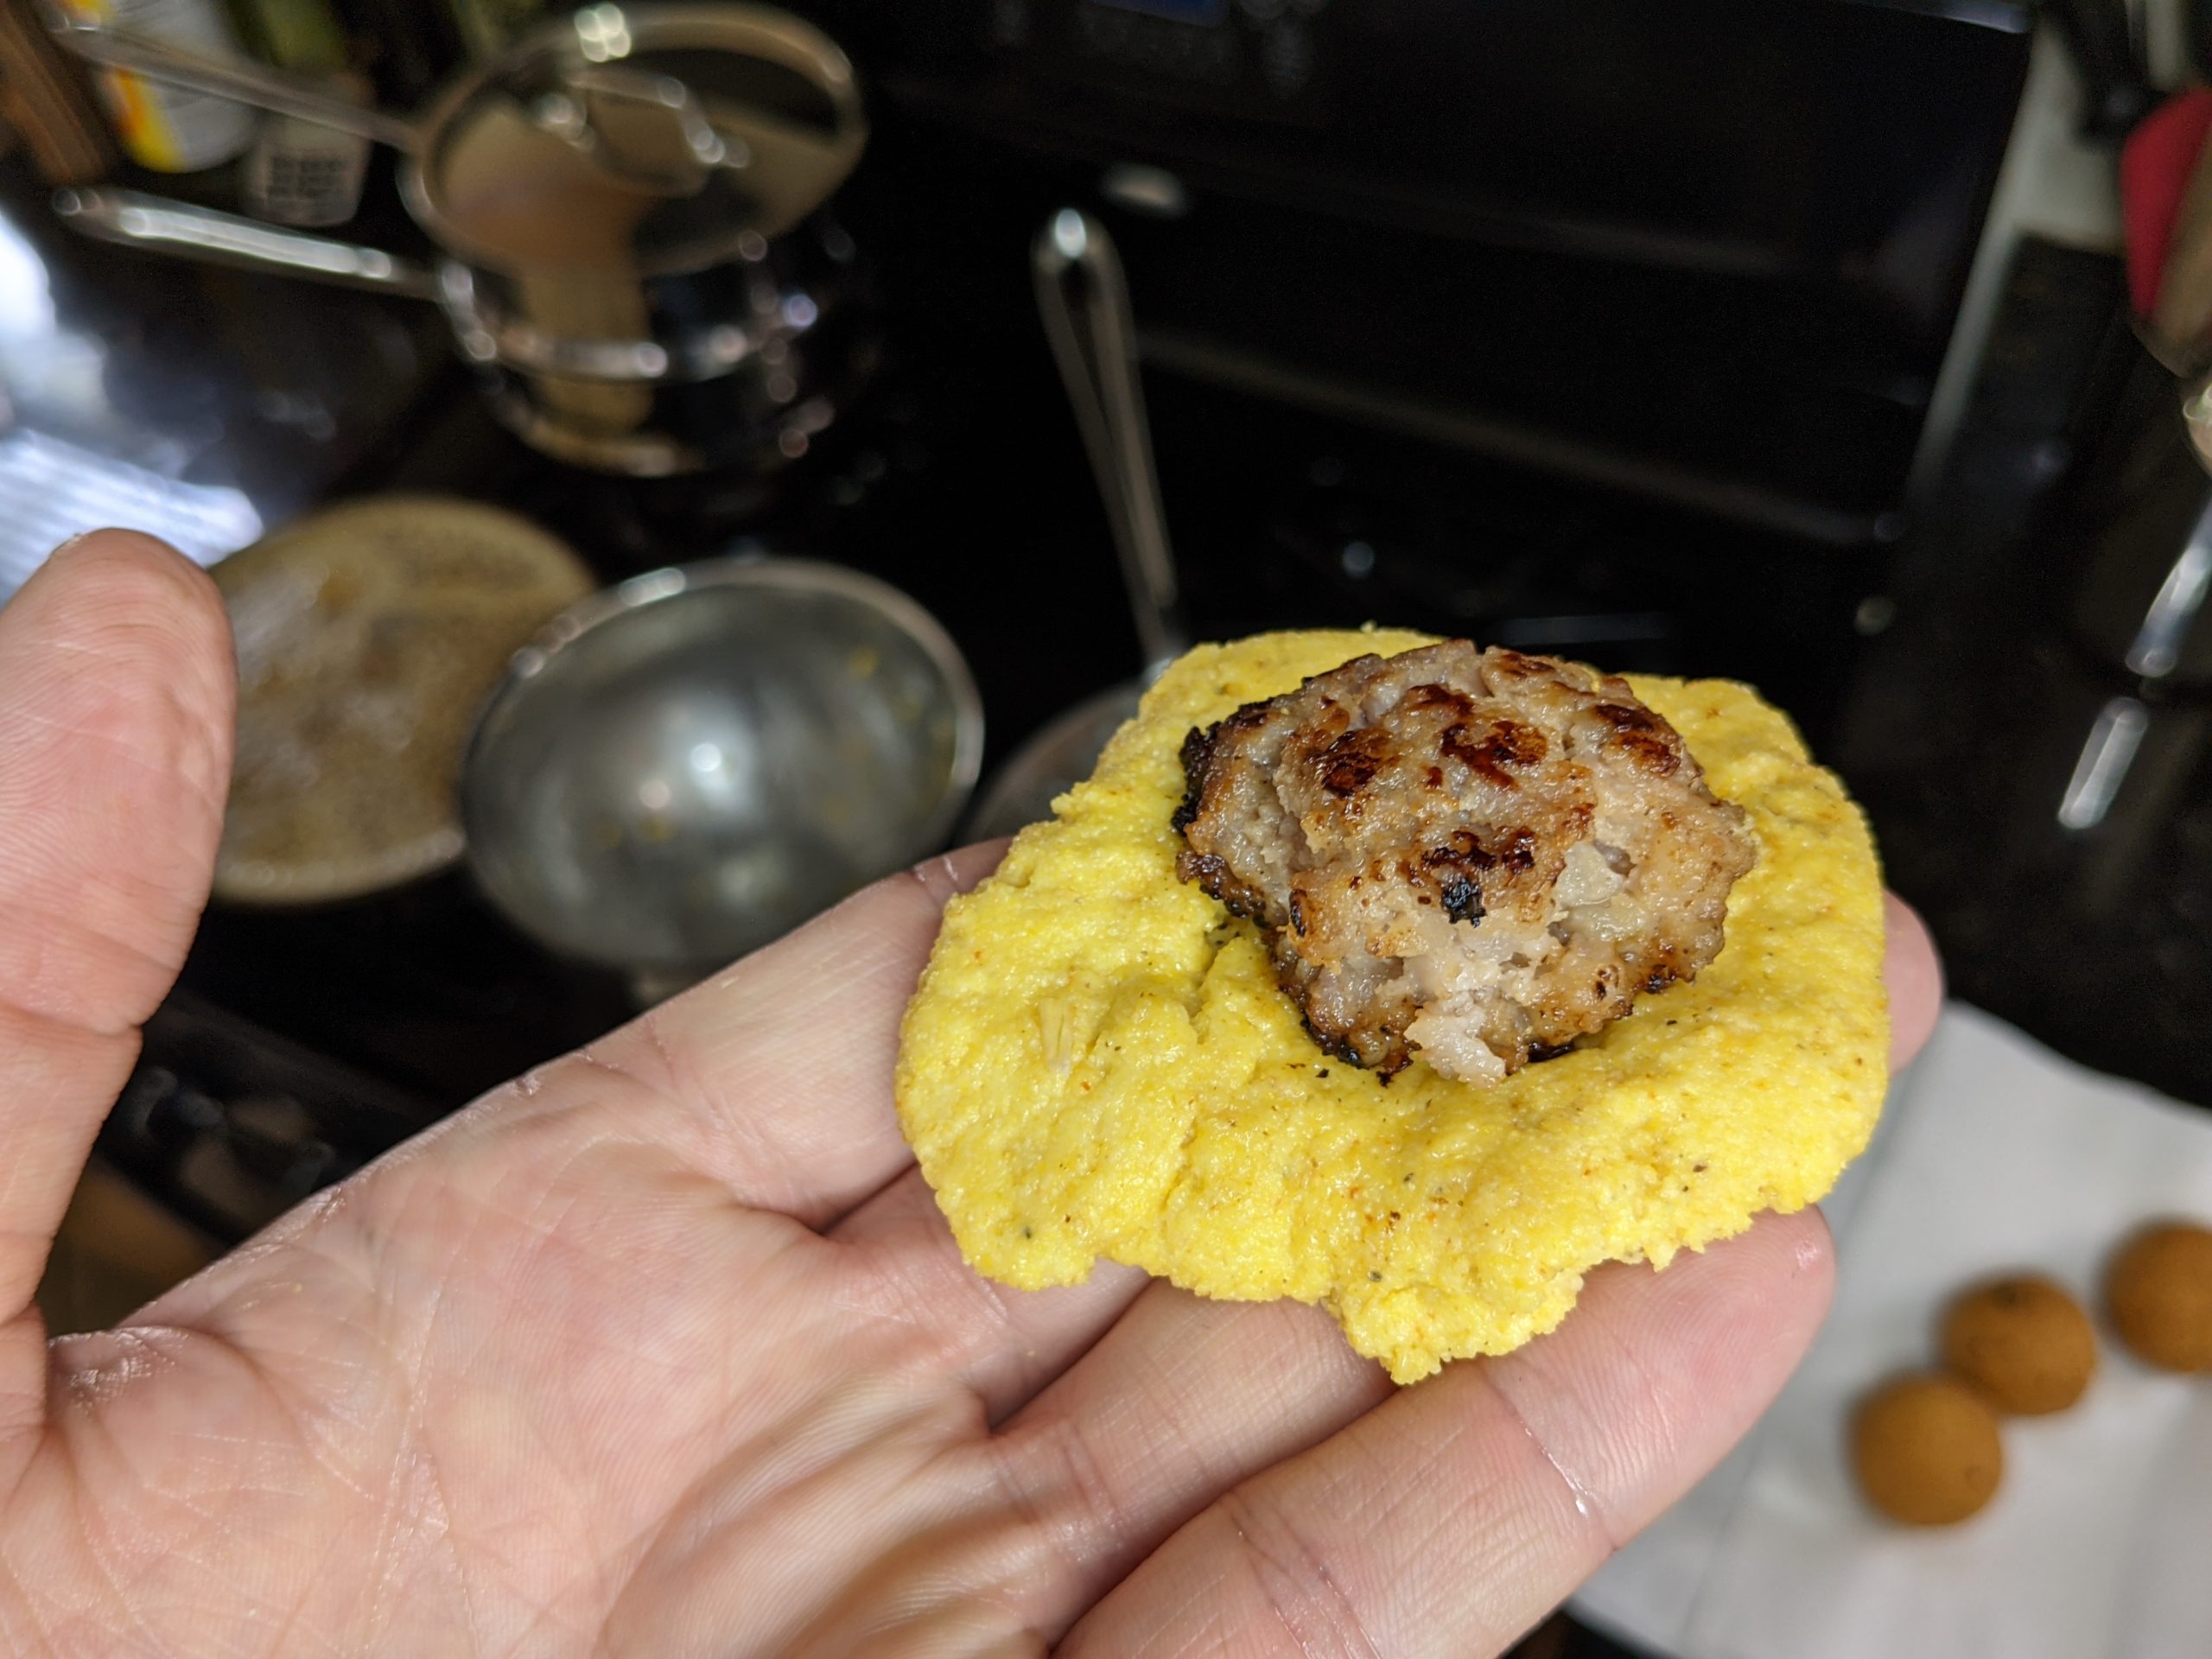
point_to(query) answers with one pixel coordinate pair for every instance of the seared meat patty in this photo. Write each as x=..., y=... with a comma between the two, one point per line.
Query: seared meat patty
x=1474, y=855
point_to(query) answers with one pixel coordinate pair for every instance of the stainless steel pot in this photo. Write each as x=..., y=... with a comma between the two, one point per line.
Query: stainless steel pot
x=629, y=207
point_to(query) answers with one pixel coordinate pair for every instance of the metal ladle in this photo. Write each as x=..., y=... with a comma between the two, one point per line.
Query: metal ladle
x=1084, y=302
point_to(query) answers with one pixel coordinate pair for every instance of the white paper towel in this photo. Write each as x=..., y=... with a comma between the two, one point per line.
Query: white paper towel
x=1994, y=1155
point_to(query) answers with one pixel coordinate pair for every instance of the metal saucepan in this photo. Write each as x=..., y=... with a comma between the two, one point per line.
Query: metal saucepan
x=686, y=766
x=628, y=206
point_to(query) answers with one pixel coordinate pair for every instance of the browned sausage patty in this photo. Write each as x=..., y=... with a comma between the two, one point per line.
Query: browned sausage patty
x=1473, y=855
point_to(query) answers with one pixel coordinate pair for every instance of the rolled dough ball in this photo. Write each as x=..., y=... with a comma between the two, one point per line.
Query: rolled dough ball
x=2159, y=1294
x=2024, y=1342
x=1926, y=1450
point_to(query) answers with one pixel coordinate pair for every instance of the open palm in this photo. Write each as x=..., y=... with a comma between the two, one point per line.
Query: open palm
x=663, y=1348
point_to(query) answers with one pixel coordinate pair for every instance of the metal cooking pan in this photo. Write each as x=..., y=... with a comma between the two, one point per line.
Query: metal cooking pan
x=627, y=203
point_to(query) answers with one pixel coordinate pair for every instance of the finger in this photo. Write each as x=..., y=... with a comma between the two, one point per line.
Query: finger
x=998, y=1541
x=774, y=1078
x=1182, y=1400
x=115, y=732
x=1458, y=1513
x=1003, y=1344
x=1914, y=975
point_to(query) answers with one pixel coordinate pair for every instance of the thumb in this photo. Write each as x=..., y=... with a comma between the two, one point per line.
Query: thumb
x=116, y=700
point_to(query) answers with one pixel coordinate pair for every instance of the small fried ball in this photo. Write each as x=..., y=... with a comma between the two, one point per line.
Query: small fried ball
x=1926, y=1450
x=2159, y=1293
x=2024, y=1343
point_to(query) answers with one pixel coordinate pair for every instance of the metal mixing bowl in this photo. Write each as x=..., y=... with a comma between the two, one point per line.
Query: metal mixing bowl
x=684, y=766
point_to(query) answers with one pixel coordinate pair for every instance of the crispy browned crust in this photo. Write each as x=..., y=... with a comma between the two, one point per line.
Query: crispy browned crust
x=1400, y=829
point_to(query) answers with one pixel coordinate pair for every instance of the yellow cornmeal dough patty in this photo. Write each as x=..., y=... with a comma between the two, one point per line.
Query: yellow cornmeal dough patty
x=1098, y=1061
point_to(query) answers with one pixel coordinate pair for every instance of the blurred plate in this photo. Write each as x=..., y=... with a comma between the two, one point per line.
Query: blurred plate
x=367, y=637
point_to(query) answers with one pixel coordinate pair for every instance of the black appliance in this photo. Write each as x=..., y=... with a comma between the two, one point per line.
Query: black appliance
x=1708, y=251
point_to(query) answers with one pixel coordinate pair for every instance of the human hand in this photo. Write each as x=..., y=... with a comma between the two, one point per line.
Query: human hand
x=664, y=1348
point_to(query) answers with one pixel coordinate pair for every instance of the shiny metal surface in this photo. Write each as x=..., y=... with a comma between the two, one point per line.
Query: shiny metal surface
x=661, y=99
x=2165, y=626
x=1085, y=304
x=595, y=86
x=696, y=143
x=153, y=224
x=2138, y=536
x=2106, y=756
x=688, y=765
x=156, y=223
x=758, y=389
x=633, y=262
x=235, y=78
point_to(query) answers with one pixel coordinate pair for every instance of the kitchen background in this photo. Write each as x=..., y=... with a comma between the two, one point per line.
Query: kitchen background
x=1785, y=339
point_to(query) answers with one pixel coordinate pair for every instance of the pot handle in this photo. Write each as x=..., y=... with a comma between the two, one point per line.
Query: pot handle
x=246, y=83
x=1084, y=302
x=156, y=224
